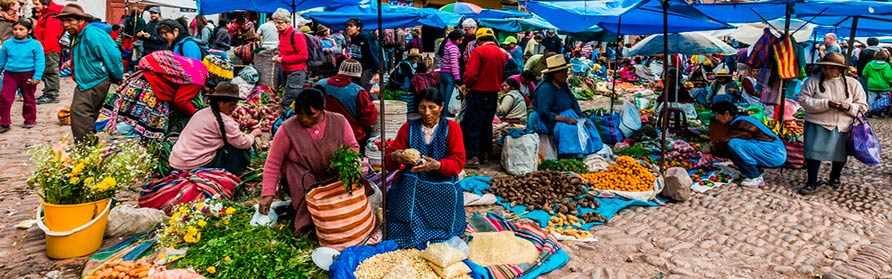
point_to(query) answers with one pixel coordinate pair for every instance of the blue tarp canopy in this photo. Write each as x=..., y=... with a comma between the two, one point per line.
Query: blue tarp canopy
x=867, y=26
x=516, y=24
x=631, y=17
x=500, y=14
x=209, y=7
x=392, y=17
x=750, y=12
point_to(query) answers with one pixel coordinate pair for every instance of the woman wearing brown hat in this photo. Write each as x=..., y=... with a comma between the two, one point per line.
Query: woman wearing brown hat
x=831, y=101
x=212, y=138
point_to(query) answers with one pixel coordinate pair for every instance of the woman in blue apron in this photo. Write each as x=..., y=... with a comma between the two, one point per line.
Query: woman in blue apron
x=752, y=146
x=425, y=203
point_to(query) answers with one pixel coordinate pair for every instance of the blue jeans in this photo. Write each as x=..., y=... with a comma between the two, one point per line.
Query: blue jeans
x=747, y=170
x=447, y=85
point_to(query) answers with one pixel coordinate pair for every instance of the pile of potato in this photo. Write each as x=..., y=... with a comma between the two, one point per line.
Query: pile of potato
x=553, y=192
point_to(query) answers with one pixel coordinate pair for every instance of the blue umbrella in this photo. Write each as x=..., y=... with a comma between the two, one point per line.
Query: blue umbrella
x=517, y=24
x=500, y=14
x=682, y=43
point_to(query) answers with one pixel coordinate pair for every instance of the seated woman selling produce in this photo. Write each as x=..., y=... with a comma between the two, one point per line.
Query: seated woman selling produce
x=212, y=138
x=557, y=112
x=425, y=203
x=301, y=151
x=749, y=143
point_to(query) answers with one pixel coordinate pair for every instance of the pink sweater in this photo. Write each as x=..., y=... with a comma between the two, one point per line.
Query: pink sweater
x=282, y=146
x=449, y=61
x=200, y=140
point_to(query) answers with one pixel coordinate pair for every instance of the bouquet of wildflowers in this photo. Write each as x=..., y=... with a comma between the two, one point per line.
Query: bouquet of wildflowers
x=86, y=172
x=188, y=221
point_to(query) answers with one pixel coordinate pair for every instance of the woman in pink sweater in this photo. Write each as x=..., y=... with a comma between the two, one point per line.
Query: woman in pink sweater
x=212, y=138
x=301, y=151
x=449, y=68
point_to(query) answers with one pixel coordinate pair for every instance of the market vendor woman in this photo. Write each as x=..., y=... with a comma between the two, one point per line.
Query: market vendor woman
x=751, y=145
x=301, y=151
x=212, y=138
x=425, y=203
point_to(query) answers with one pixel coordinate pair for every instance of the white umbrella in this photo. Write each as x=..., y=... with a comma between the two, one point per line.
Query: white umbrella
x=682, y=43
x=751, y=32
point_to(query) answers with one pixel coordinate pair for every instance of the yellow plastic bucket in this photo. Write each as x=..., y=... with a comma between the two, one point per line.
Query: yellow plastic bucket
x=73, y=230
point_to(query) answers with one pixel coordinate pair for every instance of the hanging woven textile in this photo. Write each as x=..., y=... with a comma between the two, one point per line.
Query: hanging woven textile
x=759, y=55
x=785, y=58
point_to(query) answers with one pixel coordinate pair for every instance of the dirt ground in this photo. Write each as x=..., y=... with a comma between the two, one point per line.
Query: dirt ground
x=731, y=232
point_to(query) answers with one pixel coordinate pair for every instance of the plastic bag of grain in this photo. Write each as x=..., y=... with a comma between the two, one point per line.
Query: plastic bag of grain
x=452, y=271
x=499, y=248
x=443, y=255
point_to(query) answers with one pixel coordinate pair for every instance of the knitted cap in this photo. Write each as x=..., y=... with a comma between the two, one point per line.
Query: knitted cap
x=350, y=68
x=469, y=23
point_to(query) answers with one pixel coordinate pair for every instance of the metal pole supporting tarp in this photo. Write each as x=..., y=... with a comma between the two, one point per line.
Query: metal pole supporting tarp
x=381, y=115
x=619, y=44
x=852, y=34
x=663, y=110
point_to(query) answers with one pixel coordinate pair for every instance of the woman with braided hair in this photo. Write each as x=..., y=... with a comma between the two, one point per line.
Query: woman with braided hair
x=831, y=102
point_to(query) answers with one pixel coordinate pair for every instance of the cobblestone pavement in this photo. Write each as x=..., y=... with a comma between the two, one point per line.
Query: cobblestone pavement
x=731, y=232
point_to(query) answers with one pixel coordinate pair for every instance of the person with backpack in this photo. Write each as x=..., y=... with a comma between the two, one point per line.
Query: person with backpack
x=178, y=40
x=878, y=76
x=363, y=47
x=344, y=96
x=292, y=56
x=483, y=77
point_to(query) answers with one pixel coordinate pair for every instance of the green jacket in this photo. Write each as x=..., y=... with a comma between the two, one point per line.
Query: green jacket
x=95, y=57
x=878, y=75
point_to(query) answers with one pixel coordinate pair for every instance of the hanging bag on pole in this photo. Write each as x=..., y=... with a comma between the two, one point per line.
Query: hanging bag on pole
x=863, y=143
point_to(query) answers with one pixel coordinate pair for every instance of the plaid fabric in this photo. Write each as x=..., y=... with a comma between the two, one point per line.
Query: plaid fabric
x=177, y=69
x=491, y=222
x=186, y=186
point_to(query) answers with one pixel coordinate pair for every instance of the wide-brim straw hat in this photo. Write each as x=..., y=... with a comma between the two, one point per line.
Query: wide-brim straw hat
x=555, y=63
x=414, y=53
x=833, y=59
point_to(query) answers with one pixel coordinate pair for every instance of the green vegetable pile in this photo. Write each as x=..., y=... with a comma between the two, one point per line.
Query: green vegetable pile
x=636, y=151
x=238, y=250
x=571, y=165
x=346, y=162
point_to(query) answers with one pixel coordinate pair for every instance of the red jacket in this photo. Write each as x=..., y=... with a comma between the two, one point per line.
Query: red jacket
x=451, y=165
x=294, y=56
x=486, y=68
x=48, y=29
x=177, y=94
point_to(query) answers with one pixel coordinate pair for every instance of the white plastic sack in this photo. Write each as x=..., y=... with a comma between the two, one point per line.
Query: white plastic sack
x=126, y=220
x=521, y=155
x=631, y=119
x=547, y=150
x=455, y=103
x=642, y=196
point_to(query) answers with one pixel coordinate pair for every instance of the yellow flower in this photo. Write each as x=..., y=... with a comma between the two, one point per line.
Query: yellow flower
x=226, y=222
x=202, y=223
x=230, y=210
x=77, y=169
x=74, y=180
x=227, y=259
x=192, y=237
x=212, y=270
x=106, y=184
x=89, y=181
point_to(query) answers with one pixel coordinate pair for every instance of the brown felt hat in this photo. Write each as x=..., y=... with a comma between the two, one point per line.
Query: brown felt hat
x=833, y=59
x=73, y=11
x=226, y=90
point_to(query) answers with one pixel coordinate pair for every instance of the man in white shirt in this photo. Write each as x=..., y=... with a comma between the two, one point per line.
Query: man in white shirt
x=269, y=36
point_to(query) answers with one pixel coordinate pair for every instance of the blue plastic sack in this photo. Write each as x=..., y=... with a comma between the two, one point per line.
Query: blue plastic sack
x=881, y=103
x=863, y=143
x=346, y=263
x=608, y=127
x=578, y=139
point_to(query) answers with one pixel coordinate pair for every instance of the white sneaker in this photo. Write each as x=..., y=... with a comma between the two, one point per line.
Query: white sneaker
x=753, y=182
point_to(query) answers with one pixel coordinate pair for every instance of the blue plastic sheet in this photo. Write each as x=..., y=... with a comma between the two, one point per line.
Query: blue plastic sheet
x=608, y=208
x=209, y=7
x=392, y=16
x=349, y=259
x=517, y=24
x=755, y=11
x=632, y=17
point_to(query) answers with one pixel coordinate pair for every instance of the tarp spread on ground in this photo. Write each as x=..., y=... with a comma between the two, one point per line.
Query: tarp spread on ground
x=609, y=206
